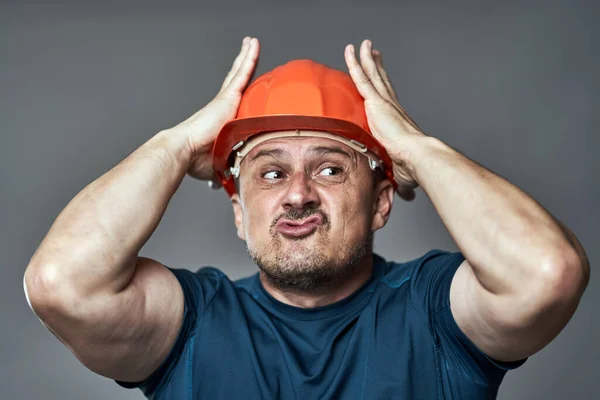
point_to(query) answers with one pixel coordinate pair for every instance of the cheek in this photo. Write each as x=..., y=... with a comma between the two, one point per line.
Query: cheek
x=352, y=207
x=350, y=219
x=257, y=220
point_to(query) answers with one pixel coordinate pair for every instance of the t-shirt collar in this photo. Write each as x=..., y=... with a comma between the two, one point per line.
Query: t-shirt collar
x=348, y=304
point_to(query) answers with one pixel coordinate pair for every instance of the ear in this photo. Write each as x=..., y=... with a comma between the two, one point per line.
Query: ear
x=382, y=204
x=238, y=213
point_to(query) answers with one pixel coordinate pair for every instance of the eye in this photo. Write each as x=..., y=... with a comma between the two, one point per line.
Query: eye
x=331, y=171
x=272, y=175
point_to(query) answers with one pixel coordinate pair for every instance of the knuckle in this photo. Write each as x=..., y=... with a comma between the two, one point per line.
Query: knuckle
x=364, y=79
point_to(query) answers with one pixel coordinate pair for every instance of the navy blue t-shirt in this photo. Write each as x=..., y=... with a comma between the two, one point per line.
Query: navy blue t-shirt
x=394, y=338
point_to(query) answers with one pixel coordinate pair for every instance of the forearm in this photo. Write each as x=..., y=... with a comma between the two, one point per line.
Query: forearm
x=94, y=242
x=508, y=238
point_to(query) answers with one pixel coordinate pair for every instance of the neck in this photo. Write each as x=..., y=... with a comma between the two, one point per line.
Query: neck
x=324, y=296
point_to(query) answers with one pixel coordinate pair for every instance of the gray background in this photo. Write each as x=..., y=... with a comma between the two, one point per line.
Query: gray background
x=512, y=85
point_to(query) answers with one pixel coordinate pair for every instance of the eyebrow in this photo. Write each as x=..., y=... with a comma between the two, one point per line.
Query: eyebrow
x=318, y=150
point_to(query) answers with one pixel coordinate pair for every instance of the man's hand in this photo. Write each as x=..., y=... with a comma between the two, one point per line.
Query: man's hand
x=388, y=121
x=120, y=314
x=203, y=127
x=524, y=273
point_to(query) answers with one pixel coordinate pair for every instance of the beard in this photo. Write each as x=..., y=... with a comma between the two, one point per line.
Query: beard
x=306, y=267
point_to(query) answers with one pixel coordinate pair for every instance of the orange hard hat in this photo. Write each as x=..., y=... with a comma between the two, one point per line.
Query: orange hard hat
x=299, y=95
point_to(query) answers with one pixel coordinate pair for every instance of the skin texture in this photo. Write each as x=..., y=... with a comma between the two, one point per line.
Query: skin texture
x=524, y=272
x=306, y=176
x=117, y=312
x=120, y=313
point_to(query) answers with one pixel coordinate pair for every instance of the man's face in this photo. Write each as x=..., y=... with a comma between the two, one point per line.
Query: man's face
x=307, y=209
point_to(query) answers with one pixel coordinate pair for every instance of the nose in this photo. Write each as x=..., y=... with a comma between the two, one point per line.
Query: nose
x=300, y=193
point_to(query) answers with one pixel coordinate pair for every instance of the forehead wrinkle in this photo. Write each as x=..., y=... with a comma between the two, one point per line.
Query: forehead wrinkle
x=315, y=149
x=274, y=152
x=324, y=150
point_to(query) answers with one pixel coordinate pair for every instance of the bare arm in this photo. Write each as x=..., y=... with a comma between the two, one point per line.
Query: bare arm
x=118, y=313
x=86, y=276
x=524, y=272
x=105, y=225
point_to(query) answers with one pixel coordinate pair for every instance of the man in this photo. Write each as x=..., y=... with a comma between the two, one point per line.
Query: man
x=325, y=318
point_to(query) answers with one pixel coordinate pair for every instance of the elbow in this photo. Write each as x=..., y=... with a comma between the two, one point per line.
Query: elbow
x=45, y=289
x=565, y=278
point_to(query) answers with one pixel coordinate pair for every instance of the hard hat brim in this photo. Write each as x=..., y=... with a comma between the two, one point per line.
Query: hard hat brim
x=237, y=131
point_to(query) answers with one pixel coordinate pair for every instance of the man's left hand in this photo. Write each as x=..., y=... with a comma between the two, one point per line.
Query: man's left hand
x=388, y=121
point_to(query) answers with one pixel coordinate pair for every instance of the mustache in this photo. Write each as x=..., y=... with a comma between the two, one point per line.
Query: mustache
x=297, y=214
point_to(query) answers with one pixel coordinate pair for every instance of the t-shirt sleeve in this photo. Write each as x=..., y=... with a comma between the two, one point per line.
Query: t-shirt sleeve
x=430, y=292
x=199, y=288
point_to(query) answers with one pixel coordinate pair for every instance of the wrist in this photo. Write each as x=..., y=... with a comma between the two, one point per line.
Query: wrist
x=414, y=155
x=176, y=145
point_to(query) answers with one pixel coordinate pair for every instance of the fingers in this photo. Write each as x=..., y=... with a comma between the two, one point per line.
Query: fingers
x=384, y=75
x=243, y=66
x=361, y=80
x=406, y=194
x=242, y=75
x=236, y=63
x=370, y=78
x=406, y=190
x=371, y=69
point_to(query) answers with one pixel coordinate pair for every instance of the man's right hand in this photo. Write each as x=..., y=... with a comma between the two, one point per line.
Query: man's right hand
x=203, y=127
x=119, y=313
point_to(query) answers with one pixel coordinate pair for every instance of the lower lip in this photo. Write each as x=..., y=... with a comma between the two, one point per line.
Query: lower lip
x=297, y=230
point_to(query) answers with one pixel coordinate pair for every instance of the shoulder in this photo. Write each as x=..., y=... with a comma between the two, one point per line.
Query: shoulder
x=397, y=272
x=424, y=281
x=200, y=286
x=203, y=277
